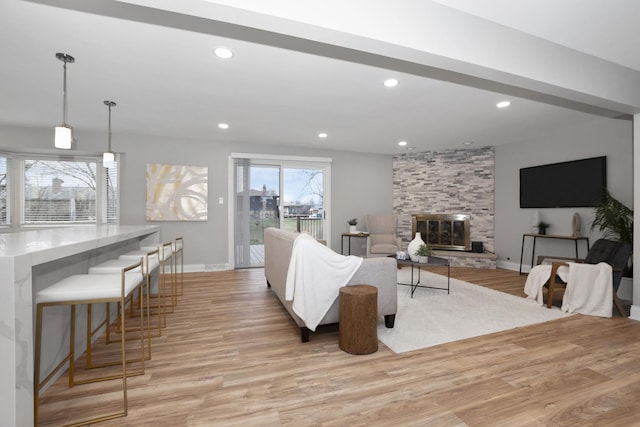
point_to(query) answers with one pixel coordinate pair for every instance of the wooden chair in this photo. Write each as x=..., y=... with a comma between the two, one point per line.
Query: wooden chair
x=613, y=252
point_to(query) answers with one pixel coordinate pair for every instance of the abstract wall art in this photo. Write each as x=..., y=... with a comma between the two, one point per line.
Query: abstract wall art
x=176, y=192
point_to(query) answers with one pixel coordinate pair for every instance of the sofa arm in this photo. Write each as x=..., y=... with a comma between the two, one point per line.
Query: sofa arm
x=381, y=273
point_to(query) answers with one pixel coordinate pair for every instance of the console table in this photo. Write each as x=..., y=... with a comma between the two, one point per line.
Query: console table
x=548, y=236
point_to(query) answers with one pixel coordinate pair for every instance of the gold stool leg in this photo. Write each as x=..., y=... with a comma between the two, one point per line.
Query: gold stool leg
x=36, y=369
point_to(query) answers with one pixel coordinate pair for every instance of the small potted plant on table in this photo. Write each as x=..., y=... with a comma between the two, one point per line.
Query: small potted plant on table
x=352, y=225
x=542, y=227
x=423, y=253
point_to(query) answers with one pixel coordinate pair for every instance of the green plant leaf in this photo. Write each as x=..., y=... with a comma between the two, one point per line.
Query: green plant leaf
x=613, y=219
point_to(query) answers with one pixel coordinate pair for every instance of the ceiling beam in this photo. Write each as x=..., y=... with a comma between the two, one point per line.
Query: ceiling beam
x=233, y=23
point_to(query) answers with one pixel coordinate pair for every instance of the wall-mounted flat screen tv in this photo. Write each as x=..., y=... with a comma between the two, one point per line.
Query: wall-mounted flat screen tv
x=579, y=183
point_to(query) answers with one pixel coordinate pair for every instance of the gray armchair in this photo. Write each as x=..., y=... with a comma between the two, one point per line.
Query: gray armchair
x=383, y=239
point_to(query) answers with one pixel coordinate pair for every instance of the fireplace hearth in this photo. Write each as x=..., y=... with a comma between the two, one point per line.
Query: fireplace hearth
x=443, y=231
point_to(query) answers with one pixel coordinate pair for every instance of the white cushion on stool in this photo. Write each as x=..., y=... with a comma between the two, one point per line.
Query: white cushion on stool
x=136, y=255
x=143, y=252
x=85, y=287
x=116, y=265
x=113, y=266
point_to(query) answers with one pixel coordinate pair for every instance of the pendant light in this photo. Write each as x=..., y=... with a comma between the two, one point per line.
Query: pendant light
x=64, y=133
x=108, y=157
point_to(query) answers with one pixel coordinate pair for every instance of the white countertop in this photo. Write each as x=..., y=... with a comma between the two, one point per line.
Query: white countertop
x=44, y=245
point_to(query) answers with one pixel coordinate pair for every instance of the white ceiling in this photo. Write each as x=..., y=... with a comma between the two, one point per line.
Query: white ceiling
x=606, y=29
x=166, y=81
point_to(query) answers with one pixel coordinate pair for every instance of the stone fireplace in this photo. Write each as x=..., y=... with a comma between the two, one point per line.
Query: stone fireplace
x=456, y=181
x=443, y=231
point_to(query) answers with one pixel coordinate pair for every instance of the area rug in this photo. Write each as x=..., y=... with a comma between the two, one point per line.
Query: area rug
x=432, y=317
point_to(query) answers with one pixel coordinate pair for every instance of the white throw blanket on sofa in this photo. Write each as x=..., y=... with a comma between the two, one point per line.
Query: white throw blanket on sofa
x=589, y=287
x=316, y=274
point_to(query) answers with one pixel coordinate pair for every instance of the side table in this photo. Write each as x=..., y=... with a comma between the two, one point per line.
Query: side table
x=358, y=327
x=349, y=236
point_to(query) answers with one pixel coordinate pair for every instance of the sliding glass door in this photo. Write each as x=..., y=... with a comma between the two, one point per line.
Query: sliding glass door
x=276, y=193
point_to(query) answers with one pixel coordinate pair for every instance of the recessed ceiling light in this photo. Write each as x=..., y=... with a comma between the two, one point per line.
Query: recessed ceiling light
x=503, y=104
x=391, y=82
x=223, y=126
x=411, y=148
x=402, y=143
x=223, y=52
x=467, y=143
x=322, y=135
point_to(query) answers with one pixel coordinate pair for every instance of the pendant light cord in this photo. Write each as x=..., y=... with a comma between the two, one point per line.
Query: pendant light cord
x=109, y=140
x=64, y=58
x=64, y=95
x=109, y=104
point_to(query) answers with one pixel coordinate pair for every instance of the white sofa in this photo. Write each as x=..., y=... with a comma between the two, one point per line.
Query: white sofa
x=379, y=272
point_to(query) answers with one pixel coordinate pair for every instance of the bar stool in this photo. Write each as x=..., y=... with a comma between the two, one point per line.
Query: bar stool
x=86, y=289
x=164, y=258
x=150, y=264
x=178, y=245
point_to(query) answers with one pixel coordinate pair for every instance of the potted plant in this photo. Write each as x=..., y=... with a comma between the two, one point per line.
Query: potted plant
x=542, y=227
x=615, y=221
x=423, y=252
x=352, y=225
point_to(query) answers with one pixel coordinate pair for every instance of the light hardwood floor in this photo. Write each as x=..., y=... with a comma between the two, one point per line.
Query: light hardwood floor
x=231, y=356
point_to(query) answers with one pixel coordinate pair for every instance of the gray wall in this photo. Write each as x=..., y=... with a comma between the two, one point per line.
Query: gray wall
x=595, y=137
x=361, y=183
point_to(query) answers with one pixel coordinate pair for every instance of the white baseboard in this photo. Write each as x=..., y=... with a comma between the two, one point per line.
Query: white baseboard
x=199, y=268
x=514, y=266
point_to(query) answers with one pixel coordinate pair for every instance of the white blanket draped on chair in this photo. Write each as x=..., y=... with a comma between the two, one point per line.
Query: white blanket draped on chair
x=538, y=276
x=589, y=290
x=316, y=274
x=589, y=287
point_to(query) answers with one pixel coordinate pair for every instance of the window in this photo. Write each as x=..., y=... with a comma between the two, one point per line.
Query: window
x=276, y=191
x=59, y=191
x=45, y=190
x=5, y=205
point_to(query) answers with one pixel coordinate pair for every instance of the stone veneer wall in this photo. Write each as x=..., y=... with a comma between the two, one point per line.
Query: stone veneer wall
x=459, y=181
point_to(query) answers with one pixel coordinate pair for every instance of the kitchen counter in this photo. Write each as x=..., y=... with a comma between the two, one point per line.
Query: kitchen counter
x=30, y=261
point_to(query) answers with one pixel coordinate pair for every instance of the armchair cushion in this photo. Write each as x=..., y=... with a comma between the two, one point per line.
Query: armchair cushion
x=384, y=249
x=383, y=244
